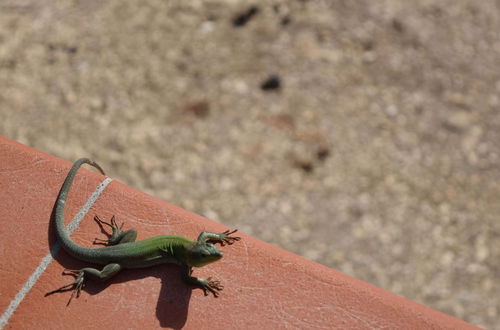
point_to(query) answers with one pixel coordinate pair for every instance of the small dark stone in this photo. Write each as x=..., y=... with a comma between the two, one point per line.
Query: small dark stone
x=306, y=166
x=271, y=83
x=286, y=20
x=243, y=18
x=72, y=50
x=300, y=162
x=323, y=153
x=368, y=45
x=200, y=108
x=398, y=25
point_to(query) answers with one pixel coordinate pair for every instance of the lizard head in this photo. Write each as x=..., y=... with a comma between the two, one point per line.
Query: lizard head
x=203, y=253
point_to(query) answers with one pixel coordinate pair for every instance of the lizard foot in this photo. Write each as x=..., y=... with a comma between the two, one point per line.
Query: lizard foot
x=225, y=238
x=75, y=286
x=117, y=236
x=212, y=286
x=116, y=231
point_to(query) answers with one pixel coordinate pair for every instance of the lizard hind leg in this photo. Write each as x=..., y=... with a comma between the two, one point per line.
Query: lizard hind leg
x=81, y=275
x=117, y=236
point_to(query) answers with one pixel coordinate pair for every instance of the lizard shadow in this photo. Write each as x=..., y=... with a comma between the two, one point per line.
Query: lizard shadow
x=173, y=302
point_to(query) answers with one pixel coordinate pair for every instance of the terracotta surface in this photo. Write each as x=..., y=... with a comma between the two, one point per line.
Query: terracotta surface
x=265, y=287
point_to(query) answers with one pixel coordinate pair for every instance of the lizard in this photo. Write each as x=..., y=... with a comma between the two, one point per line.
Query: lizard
x=122, y=251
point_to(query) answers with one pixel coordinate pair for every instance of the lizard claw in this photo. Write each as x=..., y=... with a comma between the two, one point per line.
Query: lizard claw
x=212, y=286
x=225, y=238
x=75, y=286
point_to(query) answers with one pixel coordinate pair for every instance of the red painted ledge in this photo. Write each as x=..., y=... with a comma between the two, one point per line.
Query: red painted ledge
x=265, y=287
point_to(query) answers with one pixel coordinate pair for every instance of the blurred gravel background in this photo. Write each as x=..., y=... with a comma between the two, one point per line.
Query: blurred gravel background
x=360, y=134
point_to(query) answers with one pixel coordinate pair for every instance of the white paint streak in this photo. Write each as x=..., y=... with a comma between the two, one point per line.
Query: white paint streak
x=4, y=319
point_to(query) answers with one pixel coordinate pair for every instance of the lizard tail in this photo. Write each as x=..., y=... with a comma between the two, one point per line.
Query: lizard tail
x=62, y=233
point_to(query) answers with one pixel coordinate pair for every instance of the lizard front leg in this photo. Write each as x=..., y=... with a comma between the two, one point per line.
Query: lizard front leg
x=82, y=275
x=219, y=238
x=208, y=285
x=117, y=236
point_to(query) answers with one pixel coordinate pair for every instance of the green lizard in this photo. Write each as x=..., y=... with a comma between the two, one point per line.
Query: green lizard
x=124, y=252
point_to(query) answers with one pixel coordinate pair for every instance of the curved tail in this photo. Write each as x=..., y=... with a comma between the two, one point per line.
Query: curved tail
x=62, y=234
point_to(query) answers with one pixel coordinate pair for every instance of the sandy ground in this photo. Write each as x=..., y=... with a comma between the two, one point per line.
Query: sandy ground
x=360, y=134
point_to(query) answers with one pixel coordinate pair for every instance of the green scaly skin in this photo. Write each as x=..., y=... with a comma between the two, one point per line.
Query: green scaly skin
x=122, y=251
